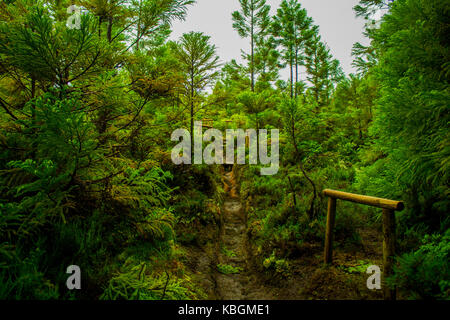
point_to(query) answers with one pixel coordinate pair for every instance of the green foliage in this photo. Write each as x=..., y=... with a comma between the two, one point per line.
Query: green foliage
x=228, y=253
x=256, y=104
x=228, y=269
x=21, y=279
x=78, y=177
x=86, y=175
x=136, y=283
x=41, y=188
x=46, y=49
x=411, y=117
x=425, y=273
x=366, y=8
x=253, y=22
x=408, y=155
x=198, y=61
x=280, y=266
x=360, y=267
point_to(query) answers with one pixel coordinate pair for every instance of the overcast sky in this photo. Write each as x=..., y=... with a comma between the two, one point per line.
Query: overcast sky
x=339, y=27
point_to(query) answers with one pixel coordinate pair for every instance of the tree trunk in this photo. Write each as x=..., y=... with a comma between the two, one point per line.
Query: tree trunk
x=296, y=72
x=100, y=20
x=109, y=33
x=33, y=94
x=192, y=116
x=293, y=194
x=252, y=70
x=291, y=67
x=138, y=28
x=311, y=211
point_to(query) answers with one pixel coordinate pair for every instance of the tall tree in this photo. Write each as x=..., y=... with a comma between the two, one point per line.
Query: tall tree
x=411, y=114
x=74, y=127
x=252, y=21
x=372, y=11
x=366, y=8
x=199, y=63
x=293, y=28
x=323, y=71
x=266, y=60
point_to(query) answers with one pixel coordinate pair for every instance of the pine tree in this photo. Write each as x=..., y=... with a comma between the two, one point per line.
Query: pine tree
x=252, y=21
x=293, y=29
x=316, y=67
x=411, y=114
x=266, y=59
x=199, y=63
x=323, y=72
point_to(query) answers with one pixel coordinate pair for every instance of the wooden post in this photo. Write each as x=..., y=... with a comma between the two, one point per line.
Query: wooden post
x=389, y=207
x=388, y=251
x=331, y=214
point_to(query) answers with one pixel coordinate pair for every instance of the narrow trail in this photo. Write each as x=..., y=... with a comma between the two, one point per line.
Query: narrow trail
x=223, y=265
x=241, y=282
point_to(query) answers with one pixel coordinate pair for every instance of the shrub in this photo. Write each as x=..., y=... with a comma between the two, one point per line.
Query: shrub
x=280, y=266
x=137, y=283
x=228, y=269
x=425, y=273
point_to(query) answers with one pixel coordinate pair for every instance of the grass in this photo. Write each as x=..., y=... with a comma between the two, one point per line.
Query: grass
x=228, y=269
x=228, y=253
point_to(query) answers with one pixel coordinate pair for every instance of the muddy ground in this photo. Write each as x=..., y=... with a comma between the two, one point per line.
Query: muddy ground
x=224, y=266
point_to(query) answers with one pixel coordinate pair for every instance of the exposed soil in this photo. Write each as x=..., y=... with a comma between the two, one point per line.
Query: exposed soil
x=233, y=246
x=225, y=266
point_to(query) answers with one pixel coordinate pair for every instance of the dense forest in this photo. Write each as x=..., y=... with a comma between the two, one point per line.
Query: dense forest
x=88, y=104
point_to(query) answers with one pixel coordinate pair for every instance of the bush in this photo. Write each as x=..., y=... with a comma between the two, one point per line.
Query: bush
x=228, y=269
x=136, y=282
x=280, y=266
x=425, y=273
x=21, y=279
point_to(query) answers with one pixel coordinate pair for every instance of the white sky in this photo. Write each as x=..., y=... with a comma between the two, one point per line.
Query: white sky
x=339, y=27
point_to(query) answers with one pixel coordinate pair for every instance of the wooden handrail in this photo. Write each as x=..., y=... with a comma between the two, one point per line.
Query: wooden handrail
x=389, y=207
x=209, y=123
x=367, y=200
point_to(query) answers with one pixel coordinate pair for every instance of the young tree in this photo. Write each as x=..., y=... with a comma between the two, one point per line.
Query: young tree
x=300, y=125
x=352, y=107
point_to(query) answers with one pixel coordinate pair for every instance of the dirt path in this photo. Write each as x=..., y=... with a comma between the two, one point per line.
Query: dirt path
x=223, y=264
x=235, y=280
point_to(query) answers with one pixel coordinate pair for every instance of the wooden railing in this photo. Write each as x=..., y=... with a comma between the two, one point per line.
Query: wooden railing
x=389, y=207
x=208, y=123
